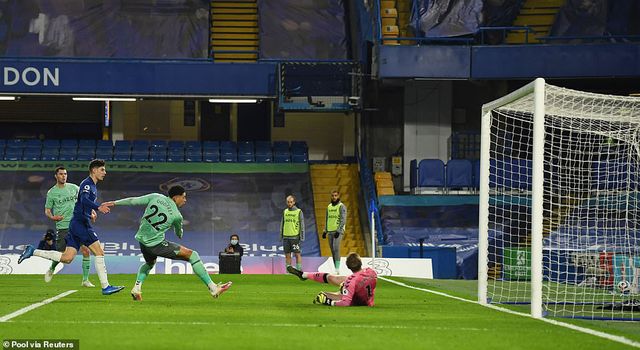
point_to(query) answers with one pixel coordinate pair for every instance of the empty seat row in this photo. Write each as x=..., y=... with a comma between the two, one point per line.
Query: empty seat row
x=146, y=156
x=458, y=173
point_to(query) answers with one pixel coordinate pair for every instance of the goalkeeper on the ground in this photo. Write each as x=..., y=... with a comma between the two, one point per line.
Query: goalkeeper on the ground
x=357, y=289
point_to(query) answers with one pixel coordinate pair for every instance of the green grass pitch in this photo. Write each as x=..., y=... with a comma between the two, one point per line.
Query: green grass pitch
x=276, y=311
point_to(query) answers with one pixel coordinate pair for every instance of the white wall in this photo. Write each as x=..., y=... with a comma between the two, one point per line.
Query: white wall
x=427, y=122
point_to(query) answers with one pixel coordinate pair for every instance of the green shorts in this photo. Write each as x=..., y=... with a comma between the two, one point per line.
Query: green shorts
x=291, y=245
x=61, y=242
x=165, y=249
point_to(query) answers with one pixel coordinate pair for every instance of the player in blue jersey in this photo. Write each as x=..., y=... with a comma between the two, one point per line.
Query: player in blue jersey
x=80, y=228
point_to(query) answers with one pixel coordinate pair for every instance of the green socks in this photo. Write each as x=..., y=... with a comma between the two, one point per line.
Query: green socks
x=198, y=268
x=86, y=266
x=143, y=272
x=299, y=266
x=337, y=264
x=53, y=265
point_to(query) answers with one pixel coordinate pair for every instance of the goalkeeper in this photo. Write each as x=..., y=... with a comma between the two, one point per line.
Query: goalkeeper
x=357, y=289
x=160, y=215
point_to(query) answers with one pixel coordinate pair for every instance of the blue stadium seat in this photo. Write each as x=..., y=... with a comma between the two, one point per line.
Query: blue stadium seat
x=104, y=144
x=193, y=155
x=281, y=158
x=245, y=158
x=211, y=157
x=262, y=146
x=50, y=144
x=13, y=154
x=69, y=143
x=299, y=145
x=264, y=158
x=413, y=174
x=139, y=157
x=228, y=158
x=476, y=173
x=459, y=173
x=123, y=145
x=299, y=158
x=175, y=144
x=104, y=153
x=31, y=154
x=50, y=153
x=227, y=145
x=613, y=175
x=86, y=143
x=175, y=157
x=67, y=156
x=86, y=154
x=122, y=154
x=158, y=144
x=66, y=152
x=280, y=146
x=431, y=173
x=158, y=155
x=33, y=144
x=15, y=144
x=245, y=148
x=192, y=144
x=210, y=146
x=140, y=144
x=510, y=173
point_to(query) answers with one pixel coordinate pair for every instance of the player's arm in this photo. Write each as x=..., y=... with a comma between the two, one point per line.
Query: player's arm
x=301, y=226
x=94, y=215
x=48, y=205
x=85, y=201
x=282, y=228
x=342, y=220
x=49, y=214
x=177, y=228
x=142, y=200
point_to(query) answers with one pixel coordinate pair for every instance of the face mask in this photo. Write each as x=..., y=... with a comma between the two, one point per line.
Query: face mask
x=234, y=241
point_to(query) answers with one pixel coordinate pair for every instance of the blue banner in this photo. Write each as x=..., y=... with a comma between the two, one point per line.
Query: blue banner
x=218, y=205
x=142, y=77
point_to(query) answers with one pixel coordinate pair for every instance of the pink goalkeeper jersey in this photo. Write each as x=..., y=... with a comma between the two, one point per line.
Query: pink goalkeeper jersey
x=359, y=289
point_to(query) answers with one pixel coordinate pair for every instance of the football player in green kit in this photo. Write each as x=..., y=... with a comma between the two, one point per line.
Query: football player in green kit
x=162, y=213
x=61, y=199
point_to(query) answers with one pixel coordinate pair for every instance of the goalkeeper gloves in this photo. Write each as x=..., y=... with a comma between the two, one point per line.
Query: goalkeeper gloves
x=324, y=234
x=322, y=299
x=335, y=235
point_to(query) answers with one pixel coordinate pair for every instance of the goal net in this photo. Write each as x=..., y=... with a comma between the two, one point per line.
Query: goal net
x=560, y=203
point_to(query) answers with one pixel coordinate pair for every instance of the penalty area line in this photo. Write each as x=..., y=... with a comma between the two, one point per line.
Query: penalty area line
x=26, y=309
x=616, y=338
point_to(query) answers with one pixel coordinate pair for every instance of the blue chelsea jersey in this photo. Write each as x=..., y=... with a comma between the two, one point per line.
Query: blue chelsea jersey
x=87, y=195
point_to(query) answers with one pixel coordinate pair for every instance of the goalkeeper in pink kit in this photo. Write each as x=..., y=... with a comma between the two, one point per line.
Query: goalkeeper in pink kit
x=357, y=289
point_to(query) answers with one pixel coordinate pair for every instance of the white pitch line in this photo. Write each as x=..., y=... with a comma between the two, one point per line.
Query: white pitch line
x=26, y=309
x=244, y=324
x=616, y=338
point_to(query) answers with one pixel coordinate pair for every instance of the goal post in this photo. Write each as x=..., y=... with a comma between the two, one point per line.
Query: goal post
x=559, y=214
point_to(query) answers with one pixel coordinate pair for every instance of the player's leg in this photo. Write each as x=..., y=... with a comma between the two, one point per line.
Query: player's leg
x=61, y=245
x=101, y=267
x=334, y=244
x=192, y=256
x=143, y=271
x=321, y=277
x=295, y=248
x=53, y=255
x=286, y=246
x=86, y=266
